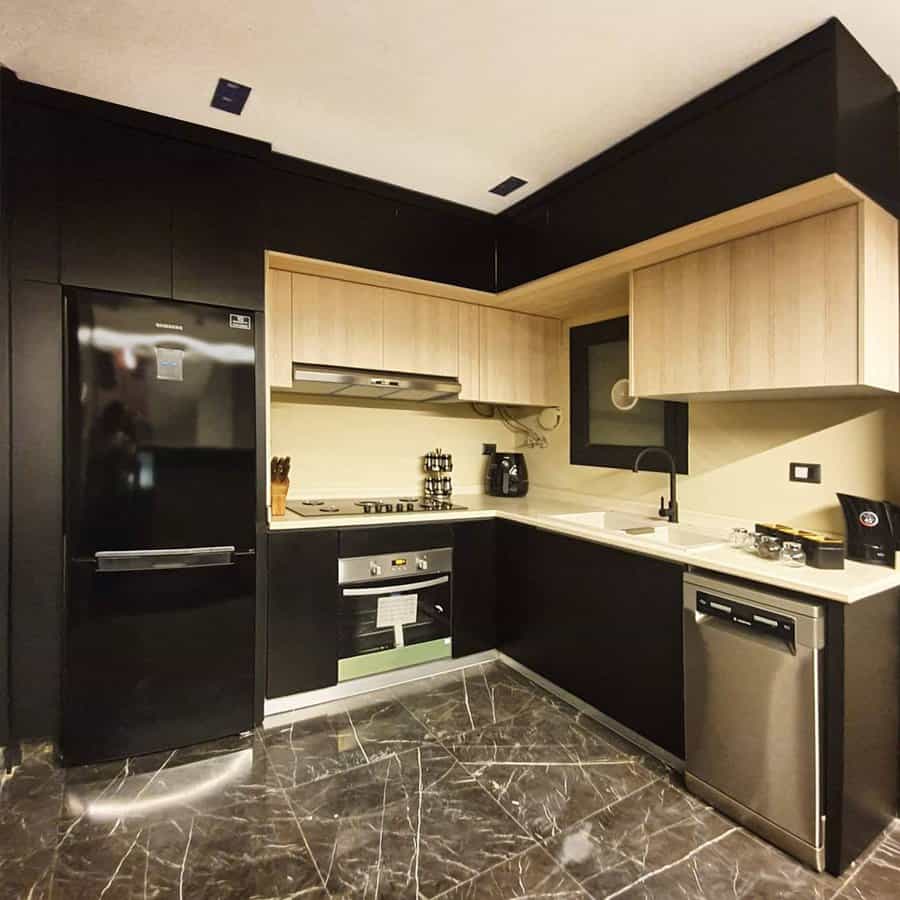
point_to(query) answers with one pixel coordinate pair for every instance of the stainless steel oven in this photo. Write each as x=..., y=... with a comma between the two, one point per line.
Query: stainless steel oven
x=395, y=611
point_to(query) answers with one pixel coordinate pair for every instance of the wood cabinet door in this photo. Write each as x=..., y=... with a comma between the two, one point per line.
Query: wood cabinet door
x=778, y=309
x=519, y=358
x=815, y=300
x=421, y=334
x=469, y=352
x=679, y=324
x=337, y=323
x=279, y=328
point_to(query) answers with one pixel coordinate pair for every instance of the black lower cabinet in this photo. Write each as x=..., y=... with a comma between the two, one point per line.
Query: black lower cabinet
x=303, y=611
x=601, y=623
x=862, y=717
x=474, y=587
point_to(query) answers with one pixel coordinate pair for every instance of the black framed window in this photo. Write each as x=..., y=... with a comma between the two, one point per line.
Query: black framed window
x=608, y=428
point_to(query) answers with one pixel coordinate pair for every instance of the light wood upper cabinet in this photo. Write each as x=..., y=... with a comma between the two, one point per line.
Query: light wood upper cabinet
x=469, y=352
x=498, y=356
x=519, y=358
x=784, y=309
x=337, y=323
x=421, y=334
x=279, y=342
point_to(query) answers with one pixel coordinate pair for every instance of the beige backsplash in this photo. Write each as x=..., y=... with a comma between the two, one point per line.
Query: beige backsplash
x=739, y=456
x=376, y=447
x=739, y=453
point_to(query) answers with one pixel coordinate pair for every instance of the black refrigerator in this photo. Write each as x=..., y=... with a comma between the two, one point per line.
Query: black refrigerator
x=160, y=507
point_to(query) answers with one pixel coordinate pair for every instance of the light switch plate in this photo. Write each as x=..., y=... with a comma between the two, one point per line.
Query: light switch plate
x=811, y=473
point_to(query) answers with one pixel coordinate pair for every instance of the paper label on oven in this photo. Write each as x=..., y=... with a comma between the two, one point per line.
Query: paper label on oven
x=398, y=609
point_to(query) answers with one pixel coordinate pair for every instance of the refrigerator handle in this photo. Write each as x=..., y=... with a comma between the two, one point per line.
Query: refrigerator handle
x=146, y=560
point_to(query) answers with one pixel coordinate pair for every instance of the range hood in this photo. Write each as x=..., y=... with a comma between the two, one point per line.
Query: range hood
x=326, y=380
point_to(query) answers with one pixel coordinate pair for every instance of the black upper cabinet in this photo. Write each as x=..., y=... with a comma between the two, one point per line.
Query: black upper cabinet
x=217, y=228
x=347, y=220
x=303, y=610
x=474, y=587
x=818, y=105
x=442, y=245
x=310, y=217
x=116, y=209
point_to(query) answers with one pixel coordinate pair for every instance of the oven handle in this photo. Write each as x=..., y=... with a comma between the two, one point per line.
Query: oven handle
x=395, y=588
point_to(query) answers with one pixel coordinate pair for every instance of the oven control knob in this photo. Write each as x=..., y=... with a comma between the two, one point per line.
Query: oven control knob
x=379, y=507
x=374, y=569
x=410, y=507
x=421, y=564
x=388, y=507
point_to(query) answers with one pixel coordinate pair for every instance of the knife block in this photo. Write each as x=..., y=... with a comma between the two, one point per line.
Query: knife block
x=279, y=496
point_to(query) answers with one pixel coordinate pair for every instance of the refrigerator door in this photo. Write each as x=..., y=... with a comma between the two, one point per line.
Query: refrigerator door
x=157, y=658
x=160, y=424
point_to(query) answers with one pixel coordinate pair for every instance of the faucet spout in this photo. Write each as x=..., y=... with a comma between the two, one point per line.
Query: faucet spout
x=669, y=512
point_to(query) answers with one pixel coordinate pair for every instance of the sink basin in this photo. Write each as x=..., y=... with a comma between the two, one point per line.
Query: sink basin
x=683, y=538
x=610, y=520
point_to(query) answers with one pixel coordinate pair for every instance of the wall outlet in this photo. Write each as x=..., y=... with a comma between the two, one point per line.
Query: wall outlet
x=811, y=473
x=488, y=449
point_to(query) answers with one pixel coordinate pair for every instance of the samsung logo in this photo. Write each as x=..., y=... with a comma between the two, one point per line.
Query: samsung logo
x=169, y=325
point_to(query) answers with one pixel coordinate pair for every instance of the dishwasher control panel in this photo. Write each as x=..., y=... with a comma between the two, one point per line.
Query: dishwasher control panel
x=764, y=621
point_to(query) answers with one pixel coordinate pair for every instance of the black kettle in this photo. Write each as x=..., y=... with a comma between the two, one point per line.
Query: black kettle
x=507, y=475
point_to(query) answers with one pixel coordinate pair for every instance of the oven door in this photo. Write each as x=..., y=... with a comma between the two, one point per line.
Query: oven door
x=392, y=624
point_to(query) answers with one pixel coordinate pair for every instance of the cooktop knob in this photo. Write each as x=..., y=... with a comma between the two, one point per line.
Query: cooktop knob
x=410, y=507
x=379, y=507
x=421, y=564
x=388, y=507
x=374, y=569
x=368, y=507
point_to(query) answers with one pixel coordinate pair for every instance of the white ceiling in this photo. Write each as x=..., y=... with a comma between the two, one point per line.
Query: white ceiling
x=448, y=97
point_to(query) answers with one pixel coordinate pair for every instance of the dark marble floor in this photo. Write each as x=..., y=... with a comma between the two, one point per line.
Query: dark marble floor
x=475, y=784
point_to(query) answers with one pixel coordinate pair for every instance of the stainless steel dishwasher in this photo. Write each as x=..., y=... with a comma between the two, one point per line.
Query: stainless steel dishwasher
x=753, y=708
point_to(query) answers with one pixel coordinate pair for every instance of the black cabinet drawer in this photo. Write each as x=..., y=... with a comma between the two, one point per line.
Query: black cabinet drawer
x=393, y=538
x=303, y=612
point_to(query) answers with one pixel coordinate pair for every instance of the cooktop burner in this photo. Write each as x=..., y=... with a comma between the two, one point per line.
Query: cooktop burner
x=371, y=506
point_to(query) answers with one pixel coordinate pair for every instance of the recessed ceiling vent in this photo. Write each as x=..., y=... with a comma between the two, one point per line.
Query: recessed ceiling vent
x=508, y=185
x=230, y=96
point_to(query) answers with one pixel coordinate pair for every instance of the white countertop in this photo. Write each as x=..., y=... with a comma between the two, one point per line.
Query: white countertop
x=854, y=582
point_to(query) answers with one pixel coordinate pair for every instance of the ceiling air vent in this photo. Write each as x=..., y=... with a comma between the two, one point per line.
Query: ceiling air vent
x=230, y=96
x=508, y=185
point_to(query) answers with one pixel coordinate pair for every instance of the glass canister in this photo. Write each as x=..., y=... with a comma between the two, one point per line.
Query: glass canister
x=792, y=554
x=768, y=546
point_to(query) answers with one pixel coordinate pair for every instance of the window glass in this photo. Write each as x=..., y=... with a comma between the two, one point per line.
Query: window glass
x=641, y=426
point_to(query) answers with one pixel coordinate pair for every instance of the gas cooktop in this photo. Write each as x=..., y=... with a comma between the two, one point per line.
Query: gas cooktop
x=370, y=506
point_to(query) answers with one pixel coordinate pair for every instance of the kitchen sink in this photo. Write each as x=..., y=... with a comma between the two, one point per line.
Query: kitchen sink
x=684, y=538
x=609, y=520
x=644, y=528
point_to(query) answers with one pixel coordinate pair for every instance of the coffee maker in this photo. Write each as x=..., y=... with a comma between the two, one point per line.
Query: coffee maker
x=507, y=475
x=873, y=527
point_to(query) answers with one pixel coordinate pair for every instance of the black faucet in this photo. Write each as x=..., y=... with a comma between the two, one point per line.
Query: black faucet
x=669, y=512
